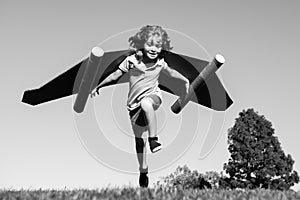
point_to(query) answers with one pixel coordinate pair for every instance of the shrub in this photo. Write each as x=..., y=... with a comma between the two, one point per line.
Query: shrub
x=185, y=178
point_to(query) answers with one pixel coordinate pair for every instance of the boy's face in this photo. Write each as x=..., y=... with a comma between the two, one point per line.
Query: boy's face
x=152, y=46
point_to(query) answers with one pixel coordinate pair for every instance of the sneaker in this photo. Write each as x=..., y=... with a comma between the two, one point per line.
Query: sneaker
x=144, y=180
x=155, y=146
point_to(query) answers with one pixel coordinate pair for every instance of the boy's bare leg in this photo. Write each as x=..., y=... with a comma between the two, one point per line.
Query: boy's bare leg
x=140, y=145
x=147, y=106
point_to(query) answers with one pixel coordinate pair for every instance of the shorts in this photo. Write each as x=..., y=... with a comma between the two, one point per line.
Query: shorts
x=137, y=115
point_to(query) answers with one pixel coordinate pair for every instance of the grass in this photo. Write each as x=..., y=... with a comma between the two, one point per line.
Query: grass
x=133, y=193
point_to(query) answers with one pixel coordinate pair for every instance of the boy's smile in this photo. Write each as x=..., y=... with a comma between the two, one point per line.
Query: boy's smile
x=153, y=46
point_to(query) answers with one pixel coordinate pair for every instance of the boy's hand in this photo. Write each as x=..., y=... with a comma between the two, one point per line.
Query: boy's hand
x=187, y=87
x=95, y=92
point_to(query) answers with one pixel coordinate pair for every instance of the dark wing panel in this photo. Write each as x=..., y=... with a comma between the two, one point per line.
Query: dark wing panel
x=61, y=86
x=68, y=82
x=212, y=95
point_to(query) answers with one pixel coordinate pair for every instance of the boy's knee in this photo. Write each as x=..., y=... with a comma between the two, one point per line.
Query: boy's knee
x=146, y=104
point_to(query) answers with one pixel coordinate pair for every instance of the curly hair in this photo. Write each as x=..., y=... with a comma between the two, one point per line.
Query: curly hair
x=138, y=40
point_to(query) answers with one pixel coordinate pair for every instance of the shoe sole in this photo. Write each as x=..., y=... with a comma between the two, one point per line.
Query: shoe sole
x=156, y=149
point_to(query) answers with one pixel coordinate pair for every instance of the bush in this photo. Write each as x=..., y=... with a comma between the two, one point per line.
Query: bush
x=185, y=178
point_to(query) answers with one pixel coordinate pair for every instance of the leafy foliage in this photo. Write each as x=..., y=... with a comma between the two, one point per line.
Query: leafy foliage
x=187, y=179
x=257, y=159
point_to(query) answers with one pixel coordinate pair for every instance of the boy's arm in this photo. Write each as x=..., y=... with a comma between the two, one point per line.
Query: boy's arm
x=175, y=74
x=112, y=77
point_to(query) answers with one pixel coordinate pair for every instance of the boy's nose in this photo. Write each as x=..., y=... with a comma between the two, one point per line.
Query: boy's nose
x=153, y=49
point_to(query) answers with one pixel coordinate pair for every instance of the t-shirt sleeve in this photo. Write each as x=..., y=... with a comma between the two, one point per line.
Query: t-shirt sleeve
x=124, y=66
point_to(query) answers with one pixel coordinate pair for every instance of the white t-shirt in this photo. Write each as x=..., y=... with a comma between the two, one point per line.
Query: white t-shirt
x=143, y=81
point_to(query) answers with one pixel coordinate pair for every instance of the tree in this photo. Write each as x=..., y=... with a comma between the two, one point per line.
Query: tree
x=257, y=159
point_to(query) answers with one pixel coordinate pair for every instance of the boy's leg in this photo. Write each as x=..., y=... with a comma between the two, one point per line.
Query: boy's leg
x=140, y=147
x=149, y=104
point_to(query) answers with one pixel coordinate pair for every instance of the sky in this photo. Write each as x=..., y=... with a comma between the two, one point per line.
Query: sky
x=48, y=146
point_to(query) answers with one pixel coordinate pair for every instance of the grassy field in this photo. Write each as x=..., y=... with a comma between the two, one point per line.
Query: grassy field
x=150, y=193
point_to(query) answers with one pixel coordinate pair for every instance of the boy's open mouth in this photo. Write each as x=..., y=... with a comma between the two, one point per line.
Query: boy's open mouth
x=152, y=53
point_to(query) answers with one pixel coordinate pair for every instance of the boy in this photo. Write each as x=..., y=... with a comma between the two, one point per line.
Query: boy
x=144, y=96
